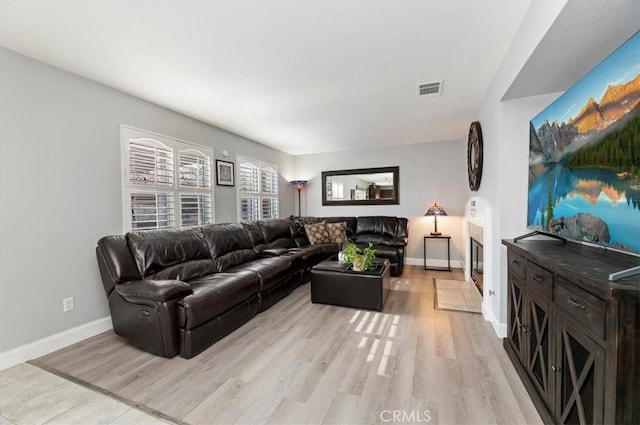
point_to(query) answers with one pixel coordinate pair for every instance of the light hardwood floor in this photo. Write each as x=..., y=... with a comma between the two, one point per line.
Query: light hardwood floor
x=298, y=363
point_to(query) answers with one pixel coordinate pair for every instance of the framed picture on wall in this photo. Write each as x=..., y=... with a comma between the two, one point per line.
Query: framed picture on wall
x=225, y=173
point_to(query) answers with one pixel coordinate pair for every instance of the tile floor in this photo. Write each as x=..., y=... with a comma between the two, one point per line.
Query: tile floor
x=31, y=396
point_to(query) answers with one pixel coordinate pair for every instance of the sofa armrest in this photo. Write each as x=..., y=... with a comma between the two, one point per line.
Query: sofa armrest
x=273, y=252
x=398, y=242
x=158, y=291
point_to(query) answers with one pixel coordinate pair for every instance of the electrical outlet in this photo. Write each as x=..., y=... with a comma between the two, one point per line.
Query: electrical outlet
x=67, y=304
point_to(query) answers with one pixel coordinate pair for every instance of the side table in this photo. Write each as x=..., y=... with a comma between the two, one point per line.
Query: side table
x=442, y=238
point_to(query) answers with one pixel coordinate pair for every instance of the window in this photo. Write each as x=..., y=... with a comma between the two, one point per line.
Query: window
x=257, y=190
x=166, y=182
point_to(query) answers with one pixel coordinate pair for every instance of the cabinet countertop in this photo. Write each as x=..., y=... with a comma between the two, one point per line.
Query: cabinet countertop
x=588, y=266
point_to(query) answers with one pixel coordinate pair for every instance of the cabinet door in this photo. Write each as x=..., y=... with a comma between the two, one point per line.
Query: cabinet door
x=539, y=343
x=580, y=376
x=516, y=306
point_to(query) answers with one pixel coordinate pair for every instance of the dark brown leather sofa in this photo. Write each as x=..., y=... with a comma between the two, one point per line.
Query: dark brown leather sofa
x=178, y=291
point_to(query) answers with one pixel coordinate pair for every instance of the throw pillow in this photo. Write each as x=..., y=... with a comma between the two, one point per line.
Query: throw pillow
x=317, y=233
x=337, y=232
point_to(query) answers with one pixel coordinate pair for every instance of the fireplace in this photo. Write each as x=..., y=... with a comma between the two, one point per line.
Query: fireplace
x=476, y=258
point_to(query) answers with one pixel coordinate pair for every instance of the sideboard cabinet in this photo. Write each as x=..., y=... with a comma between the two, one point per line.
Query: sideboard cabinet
x=573, y=335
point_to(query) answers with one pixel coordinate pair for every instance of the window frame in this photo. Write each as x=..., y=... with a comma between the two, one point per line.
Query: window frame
x=176, y=190
x=260, y=194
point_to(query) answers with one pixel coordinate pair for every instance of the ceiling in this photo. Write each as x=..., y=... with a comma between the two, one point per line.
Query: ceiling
x=302, y=77
x=579, y=39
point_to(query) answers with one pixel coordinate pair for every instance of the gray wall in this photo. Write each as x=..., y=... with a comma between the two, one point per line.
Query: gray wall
x=60, y=189
x=429, y=172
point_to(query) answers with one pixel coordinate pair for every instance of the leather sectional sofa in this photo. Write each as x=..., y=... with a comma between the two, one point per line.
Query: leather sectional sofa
x=178, y=291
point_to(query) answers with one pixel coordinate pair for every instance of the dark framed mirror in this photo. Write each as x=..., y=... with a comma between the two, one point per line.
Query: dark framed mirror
x=361, y=186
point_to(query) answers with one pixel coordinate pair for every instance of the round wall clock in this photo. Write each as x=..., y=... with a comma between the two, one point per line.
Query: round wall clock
x=474, y=155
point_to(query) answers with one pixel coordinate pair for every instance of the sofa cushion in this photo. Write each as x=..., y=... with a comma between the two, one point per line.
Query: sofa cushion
x=214, y=294
x=180, y=254
x=255, y=235
x=385, y=226
x=277, y=233
x=270, y=270
x=229, y=245
x=403, y=228
x=317, y=233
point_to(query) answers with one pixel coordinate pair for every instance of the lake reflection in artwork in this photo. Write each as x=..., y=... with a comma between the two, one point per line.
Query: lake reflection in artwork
x=593, y=192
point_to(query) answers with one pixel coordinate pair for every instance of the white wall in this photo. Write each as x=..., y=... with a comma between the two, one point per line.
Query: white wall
x=429, y=172
x=60, y=189
x=505, y=127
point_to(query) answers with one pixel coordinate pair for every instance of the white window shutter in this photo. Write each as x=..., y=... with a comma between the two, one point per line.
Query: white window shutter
x=151, y=210
x=150, y=163
x=195, y=209
x=248, y=177
x=269, y=208
x=166, y=182
x=249, y=208
x=194, y=169
x=269, y=181
x=257, y=190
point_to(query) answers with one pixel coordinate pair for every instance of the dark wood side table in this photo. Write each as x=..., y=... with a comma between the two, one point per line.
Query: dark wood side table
x=438, y=237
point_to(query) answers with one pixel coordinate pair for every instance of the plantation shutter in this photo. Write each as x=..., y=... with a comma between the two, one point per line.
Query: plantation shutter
x=195, y=209
x=150, y=163
x=195, y=169
x=269, y=181
x=151, y=210
x=257, y=190
x=166, y=182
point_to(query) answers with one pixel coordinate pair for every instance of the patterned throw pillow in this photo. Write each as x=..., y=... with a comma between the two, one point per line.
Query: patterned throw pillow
x=317, y=233
x=337, y=232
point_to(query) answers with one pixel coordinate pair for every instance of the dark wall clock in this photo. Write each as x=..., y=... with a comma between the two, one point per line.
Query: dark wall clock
x=474, y=155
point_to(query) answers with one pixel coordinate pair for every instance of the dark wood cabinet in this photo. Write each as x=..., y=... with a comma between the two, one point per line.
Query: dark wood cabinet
x=572, y=335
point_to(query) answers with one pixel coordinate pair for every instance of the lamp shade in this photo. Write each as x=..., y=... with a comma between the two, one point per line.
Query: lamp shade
x=298, y=184
x=435, y=209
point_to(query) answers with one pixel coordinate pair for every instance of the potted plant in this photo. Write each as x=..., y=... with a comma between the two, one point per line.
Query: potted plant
x=361, y=259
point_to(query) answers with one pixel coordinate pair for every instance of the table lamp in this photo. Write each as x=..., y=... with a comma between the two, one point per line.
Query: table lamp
x=435, y=210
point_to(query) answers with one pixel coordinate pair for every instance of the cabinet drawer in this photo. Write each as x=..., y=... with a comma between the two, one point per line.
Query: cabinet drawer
x=539, y=280
x=582, y=306
x=516, y=264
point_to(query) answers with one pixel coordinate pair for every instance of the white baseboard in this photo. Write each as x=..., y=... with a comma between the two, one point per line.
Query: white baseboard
x=455, y=264
x=54, y=342
x=500, y=328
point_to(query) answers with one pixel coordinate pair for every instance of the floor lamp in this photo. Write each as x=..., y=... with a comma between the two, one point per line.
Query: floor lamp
x=298, y=185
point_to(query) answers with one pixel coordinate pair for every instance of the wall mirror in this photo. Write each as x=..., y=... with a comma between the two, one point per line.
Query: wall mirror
x=361, y=186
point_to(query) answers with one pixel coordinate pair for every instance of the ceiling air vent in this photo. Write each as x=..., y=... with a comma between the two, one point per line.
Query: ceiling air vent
x=430, y=89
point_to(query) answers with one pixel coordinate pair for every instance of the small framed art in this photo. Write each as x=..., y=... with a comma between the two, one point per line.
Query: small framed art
x=225, y=173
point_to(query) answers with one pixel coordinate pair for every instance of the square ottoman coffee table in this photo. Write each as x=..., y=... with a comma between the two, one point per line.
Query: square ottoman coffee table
x=335, y=283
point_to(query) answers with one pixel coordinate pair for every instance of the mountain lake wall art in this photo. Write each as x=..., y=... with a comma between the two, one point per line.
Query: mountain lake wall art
x=584, y=157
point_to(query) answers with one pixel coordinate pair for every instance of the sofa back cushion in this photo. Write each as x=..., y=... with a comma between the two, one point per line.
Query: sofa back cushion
x=229, y=245
x=115, y=261
x=403, y=227
x=171, y=253
x=297, y=228
x=255, y=235
x=277, y=233
x=377, y=225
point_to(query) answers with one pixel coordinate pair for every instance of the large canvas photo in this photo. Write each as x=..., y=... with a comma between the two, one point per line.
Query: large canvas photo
x=584, y=157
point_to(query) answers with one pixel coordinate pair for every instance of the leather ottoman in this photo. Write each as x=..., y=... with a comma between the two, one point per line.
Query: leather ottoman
x=334, y=283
